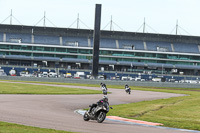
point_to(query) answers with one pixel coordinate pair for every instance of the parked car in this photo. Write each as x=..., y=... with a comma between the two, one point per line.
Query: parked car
x=2, y=73
x=79, y=75
x=156, y=79
x=101, y=77
x=68, y=75
x=53, y=75
x=13, y=72
x=45, y=74
x=127, y=78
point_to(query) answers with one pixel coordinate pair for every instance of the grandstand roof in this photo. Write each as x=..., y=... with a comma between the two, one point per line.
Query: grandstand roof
x=36, y=30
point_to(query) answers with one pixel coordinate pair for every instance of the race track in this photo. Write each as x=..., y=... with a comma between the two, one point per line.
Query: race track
x=57, y=111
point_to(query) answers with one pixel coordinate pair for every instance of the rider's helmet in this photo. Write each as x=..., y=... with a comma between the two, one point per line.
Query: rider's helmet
x=105, y=98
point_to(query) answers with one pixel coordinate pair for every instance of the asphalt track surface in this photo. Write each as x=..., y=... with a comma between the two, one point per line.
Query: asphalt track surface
x=57, y=111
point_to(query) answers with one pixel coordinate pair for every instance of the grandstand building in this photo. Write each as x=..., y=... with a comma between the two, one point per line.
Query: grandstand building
x=119, y=51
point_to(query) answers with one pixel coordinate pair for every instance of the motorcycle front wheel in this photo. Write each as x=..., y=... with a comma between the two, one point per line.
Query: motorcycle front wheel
x=101, y=117
x=86, y=117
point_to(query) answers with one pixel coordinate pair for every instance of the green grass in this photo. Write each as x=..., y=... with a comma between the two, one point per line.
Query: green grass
x=111, y=86
x=17, y=88
x=178, y=112
x=56, y=83
x=16, y=128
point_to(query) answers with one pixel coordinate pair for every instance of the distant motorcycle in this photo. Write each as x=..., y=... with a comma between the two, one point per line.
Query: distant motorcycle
x=98, y=112
x=104, y=89
x=128, y=90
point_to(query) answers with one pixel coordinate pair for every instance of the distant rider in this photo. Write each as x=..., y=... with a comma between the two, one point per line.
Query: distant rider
x=126, y=87
x=104, y=88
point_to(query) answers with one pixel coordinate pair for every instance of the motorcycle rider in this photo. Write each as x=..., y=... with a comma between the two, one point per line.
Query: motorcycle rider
x=101, y=101
x=127, y=88
x=104, y=88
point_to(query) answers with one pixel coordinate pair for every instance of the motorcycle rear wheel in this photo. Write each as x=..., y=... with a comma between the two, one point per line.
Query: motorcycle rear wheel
x=101, y=117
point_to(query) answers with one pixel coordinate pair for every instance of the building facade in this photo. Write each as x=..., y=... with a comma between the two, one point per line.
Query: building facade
x=119, y=51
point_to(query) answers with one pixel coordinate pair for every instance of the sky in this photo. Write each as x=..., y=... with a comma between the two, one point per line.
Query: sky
x=161, y=16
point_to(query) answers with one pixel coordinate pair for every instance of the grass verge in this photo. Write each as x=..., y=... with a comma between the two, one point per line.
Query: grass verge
x=177, y=112
x=55, y=83
x=16, y=128
x=110, y=86
x=17, y=88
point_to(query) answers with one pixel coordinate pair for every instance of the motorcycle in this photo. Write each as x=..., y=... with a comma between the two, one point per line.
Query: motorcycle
x=97, y=113
x=128, y=90
x=104, y=90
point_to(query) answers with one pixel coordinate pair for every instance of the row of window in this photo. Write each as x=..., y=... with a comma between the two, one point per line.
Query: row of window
x=123, y=54
x=101, y=58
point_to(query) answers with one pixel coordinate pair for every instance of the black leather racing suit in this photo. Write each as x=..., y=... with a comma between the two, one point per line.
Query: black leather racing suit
x=101, y=101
